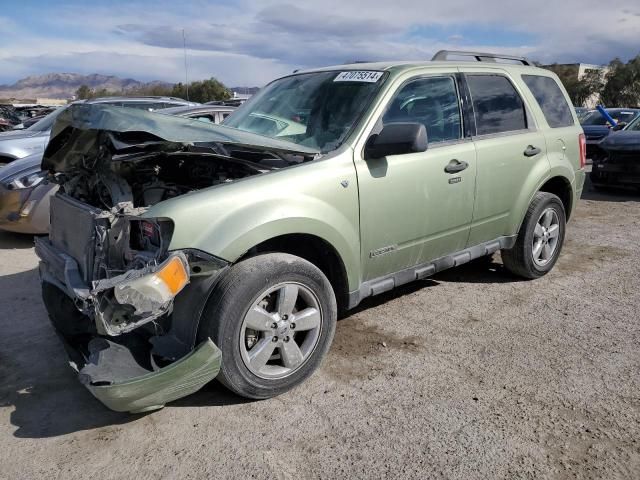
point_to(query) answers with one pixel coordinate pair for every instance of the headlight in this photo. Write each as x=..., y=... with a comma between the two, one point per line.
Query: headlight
x=153, y=292
x=27, y=179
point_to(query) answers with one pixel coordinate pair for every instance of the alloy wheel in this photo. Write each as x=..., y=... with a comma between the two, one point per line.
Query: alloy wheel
x=545, y=237
x=280, y=330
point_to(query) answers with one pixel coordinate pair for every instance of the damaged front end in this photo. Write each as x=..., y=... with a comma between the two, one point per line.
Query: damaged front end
x=131, y=341
x=126, y=305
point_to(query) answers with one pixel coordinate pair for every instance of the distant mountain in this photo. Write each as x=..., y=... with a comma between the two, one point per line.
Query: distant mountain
x=64, y=85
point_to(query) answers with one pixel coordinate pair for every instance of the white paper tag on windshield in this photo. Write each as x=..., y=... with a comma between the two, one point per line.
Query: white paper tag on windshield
x=358, y=76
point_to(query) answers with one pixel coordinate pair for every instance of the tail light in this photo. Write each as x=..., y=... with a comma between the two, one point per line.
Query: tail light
x=583, y=150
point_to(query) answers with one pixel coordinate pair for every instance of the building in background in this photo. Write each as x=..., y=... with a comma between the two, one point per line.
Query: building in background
x=574, y=73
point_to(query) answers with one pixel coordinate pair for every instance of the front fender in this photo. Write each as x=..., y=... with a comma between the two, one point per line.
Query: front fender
x=230, y=219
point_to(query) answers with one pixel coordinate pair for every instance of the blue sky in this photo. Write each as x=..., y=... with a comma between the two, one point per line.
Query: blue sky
x=249, y=42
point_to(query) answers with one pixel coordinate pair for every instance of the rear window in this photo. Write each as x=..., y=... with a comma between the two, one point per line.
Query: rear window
x=596, y=118
x=497, y=105
x=551, y=100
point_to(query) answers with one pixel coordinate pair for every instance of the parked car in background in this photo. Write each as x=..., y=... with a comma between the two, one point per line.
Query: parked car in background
x=181, y=252
x=21, y=143
x=273, y=125
x=29, y=121
x=31, y=116
x=617, y=160
x=205, y=113
x=232, y=102
x=581, y=112
x=24, y=197
x=596, y=127
x=9, y=118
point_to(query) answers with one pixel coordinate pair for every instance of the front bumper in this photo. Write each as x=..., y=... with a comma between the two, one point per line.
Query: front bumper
x=616, y=173
x=26, y=210
x=152, y=390
x=139, y=370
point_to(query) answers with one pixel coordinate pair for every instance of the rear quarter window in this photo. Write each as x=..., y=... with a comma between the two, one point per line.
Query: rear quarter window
x=497, y=105
x=552, y=101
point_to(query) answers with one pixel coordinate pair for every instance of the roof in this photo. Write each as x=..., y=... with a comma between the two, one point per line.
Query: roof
x=398, y=66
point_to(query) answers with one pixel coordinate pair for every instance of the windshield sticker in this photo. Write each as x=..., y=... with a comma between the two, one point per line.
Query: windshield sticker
x=358, y=76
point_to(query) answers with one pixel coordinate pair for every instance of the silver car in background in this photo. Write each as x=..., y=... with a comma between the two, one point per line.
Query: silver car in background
x=204, y=113
x=25, y=193
x=24, y=196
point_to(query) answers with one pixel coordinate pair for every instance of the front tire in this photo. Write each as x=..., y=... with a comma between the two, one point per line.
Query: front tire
x=273, y=316
x=540, y=238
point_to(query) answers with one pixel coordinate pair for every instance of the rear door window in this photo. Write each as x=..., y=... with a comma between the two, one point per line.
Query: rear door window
x=497, y=106
x=552, y=101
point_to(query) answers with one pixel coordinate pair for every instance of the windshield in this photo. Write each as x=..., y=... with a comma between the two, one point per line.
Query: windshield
x=635, y=125
x=595, y=118
x=47, y=122
x=316, y=110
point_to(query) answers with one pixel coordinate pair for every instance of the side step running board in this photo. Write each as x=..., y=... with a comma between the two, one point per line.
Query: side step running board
x=418, y=272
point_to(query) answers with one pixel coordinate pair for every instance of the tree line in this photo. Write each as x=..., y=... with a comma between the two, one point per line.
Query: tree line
x=619, y=87
x=198, y=91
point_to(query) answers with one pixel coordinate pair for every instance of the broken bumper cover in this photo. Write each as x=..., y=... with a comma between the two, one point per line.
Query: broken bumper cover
x=133, y=371
x=150, y=391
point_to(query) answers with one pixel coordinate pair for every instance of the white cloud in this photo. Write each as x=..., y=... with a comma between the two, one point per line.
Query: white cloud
x=254, y=41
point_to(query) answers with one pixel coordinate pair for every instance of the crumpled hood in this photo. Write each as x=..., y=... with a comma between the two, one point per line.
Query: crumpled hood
x=82, y=131
x=18, y=134
x=624, y=140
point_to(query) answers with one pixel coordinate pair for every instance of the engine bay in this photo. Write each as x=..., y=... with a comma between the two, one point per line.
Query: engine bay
x=140, y=181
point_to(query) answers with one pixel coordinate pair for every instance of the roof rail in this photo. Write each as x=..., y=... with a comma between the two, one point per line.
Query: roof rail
x=480, y=56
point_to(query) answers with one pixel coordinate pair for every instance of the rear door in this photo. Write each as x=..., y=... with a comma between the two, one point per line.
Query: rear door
x=509, y=148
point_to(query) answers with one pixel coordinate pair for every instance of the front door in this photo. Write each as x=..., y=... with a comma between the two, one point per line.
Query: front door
x=415, y=207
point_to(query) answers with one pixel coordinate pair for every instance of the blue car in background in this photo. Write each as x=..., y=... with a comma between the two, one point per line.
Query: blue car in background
x=596, y=127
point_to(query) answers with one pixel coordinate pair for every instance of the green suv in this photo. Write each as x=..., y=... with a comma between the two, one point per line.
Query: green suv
x=180, y=252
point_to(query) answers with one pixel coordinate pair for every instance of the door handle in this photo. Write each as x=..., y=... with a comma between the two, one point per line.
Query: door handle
x=531, y=151
x=455, y=166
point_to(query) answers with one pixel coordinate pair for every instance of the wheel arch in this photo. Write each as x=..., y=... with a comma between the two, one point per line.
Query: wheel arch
x=315, y=250
x=557, y=181
x=560, y=186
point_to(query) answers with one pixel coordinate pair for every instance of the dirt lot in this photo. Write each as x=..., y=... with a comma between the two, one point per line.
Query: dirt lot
x=471, y=374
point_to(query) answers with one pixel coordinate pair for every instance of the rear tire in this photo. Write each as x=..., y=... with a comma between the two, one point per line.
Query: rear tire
x=252, y=314
x=540, y=238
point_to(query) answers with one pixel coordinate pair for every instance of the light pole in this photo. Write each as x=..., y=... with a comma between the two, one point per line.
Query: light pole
x=186, y=75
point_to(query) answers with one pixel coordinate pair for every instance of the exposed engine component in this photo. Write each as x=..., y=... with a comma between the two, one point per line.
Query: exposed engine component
x=139, y=181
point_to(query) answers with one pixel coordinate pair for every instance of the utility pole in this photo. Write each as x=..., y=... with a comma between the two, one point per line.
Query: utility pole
x=186, y=75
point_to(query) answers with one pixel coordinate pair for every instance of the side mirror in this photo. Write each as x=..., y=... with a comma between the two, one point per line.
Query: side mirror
x=396, y=139
x=619, y=126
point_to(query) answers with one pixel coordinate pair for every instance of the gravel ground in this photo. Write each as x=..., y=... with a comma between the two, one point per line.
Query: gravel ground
x=472, y=374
